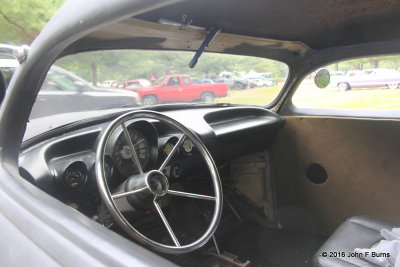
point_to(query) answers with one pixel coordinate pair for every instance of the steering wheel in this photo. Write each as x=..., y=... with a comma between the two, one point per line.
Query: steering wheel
x=151, y=186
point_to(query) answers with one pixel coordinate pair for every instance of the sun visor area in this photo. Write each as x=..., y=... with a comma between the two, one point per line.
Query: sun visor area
x=134, y=33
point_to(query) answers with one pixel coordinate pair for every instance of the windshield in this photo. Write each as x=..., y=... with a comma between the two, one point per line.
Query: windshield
x=105, y=80
x=158, y=81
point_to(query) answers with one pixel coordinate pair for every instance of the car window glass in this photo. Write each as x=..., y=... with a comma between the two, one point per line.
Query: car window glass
x=173, y=81
x=186, y=80
x=371, y=83
x=113, y=82
x=132, y=84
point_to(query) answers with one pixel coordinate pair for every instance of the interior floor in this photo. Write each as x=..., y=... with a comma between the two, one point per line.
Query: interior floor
x=254, y=245
x=247, y=237
x=265, y=246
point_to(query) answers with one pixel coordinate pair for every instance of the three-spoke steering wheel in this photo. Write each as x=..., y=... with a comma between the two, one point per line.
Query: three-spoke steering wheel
x=152, y=185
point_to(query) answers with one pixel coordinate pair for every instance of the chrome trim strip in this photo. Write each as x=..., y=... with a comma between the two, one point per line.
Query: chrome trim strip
x=20, y=53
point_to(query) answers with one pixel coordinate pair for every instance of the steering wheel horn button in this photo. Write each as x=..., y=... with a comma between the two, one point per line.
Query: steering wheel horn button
x=157, y=183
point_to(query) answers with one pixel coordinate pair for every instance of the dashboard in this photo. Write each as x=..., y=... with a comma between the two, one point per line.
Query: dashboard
x=63, y=165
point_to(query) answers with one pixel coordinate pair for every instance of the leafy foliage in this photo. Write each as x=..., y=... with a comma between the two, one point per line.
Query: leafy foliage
x=22, y=20
x=125, y=65
x=391, y=62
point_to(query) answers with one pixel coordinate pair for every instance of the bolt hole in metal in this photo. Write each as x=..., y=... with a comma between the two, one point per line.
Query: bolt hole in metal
x=153, y=186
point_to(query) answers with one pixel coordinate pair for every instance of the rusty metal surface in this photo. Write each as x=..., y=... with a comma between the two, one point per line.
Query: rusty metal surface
x=341, y=11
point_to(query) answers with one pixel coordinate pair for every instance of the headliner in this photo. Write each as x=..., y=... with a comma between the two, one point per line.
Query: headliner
x=318, y=24
x=279, y=29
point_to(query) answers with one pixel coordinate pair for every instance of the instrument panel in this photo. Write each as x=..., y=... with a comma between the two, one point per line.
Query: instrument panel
x=65, y=164
x=152, y=143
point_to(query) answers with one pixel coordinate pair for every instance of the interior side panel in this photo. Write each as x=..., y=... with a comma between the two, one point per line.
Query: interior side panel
x=361, y=158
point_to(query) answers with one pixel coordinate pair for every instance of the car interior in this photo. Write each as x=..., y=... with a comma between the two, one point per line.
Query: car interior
x=221, y=184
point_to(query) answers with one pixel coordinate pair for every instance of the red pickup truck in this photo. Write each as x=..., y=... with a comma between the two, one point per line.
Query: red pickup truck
x=179, y=88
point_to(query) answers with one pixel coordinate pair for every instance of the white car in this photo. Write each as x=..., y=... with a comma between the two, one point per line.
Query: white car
x=369, y=78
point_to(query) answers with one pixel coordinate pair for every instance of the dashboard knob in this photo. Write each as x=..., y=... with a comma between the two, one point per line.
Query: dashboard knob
x=176, y=171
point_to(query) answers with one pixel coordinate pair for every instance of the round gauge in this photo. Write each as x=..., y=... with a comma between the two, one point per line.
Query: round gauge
x=75, y=175
x=122, y=153
x=168, y=148
x=187, y=146
x=169, y=145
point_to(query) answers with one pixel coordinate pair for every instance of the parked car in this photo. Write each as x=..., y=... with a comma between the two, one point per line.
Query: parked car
x=108, y=83
x=336, y=76
x=63, y=91
x=389, y=78
x=258, y=81
x=133, y=84
x=232, y=81
x=179, y=88
x=269, y=78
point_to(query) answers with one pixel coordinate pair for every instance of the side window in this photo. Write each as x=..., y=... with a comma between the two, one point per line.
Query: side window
x=132, y=84
x=186, y=80
x=359, y=84
x=173, y=81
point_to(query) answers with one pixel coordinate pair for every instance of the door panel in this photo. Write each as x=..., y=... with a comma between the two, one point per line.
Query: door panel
x=361, y=158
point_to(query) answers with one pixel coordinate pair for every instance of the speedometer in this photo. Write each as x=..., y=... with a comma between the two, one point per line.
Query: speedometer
x=122, y=152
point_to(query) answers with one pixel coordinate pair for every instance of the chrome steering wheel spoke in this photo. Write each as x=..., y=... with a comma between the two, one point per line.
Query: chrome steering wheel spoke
x=134, y=155
x=165, y=221
x=120, y=195
x=171, y=154
x=191, y=195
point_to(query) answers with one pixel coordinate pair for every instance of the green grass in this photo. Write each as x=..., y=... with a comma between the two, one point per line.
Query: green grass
x=253, y=96
x=358, y=98
x=308, y=95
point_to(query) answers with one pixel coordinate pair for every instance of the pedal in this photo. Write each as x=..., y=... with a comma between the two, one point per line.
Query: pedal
x=229, y=259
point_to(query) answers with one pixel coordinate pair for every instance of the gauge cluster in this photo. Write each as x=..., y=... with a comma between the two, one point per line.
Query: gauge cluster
x=186, y=148
x=152, y=143
x=122, y=152
x=144, y=137
x=180, y=160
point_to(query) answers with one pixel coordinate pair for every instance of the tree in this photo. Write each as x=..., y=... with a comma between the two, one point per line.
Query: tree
x=22, y=20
